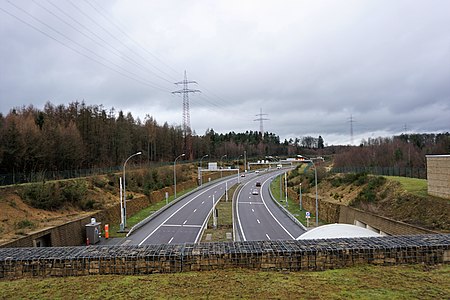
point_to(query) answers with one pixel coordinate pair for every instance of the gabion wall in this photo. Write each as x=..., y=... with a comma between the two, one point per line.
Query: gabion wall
x=304, y=255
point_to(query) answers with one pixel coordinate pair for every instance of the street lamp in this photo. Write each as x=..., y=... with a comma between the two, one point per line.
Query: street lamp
x=200, y=170
x=175, y=175
x=317, y=202
x=221, y=164
x=238, y=166
x=124, y=225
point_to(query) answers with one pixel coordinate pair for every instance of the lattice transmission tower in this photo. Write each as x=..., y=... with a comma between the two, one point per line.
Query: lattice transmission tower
x=186, y=114
x=261, y=120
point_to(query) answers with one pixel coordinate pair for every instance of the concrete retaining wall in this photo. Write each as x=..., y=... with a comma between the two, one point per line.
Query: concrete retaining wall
x=438, y=175
x=311, y=255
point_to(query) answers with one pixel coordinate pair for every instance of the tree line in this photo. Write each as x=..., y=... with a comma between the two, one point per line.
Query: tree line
x=402, y=151
x=80, y=136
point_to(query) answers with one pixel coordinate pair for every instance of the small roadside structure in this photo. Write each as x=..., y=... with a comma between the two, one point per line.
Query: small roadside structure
x=438, y=175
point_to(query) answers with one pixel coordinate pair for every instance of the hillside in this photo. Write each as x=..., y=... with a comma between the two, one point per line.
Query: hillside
x=30, y=207
x=391, y=197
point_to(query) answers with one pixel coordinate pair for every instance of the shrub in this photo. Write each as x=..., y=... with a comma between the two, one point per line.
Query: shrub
x=25, y=224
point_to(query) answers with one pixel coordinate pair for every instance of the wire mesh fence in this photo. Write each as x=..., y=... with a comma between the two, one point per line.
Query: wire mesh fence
x=259, y=255
x=420, y=173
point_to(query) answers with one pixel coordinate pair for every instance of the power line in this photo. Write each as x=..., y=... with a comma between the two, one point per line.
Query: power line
x=113, y=36
x=114, y=50
x=79, y=52
x=114, y=22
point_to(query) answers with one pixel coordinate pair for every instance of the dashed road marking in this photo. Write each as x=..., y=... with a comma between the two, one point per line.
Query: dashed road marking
x=267, y=236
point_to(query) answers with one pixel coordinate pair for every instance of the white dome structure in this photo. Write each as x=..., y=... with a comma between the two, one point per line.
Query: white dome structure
x=332, y=231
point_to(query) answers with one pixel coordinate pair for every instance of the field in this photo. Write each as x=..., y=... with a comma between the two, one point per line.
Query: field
x=368, y=282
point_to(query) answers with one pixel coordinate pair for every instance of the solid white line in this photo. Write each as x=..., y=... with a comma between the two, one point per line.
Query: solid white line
x=257, y=220
x=272, y=213
x=170, y=241
x=267, y=236
x=162, y=223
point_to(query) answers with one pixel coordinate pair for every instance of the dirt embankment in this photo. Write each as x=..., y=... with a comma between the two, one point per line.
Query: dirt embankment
x=30, y=207
x=386, y=198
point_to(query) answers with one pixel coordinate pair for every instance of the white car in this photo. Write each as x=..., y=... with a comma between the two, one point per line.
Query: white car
x=255, y=192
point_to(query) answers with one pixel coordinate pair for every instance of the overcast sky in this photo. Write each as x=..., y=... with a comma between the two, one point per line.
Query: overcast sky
x=310, y=65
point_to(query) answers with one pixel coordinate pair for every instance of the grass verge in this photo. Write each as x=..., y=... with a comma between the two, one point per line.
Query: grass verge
x=293, y=206
x=364, y=282
x=224, y=219
x=415, y=186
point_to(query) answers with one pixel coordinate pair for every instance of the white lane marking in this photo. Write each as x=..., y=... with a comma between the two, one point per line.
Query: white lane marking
x=251, y=203
x=203, y=202
x=162, y=223
x=184, y=222
x=170, y=241
x=179, y=225
x=253, y=210
x=267, y=236
x=249, y=197
x=292, y=237
x=195, y=210
x=257, y=220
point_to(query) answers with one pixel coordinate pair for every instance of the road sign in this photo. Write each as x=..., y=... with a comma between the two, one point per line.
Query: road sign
x=308, y=215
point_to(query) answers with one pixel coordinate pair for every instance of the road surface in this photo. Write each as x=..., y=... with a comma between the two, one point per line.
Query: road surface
x=258, y=217
x=182, y=222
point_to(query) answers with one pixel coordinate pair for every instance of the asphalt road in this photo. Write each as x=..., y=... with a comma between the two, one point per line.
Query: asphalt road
x=182, y=222
x=258, y=217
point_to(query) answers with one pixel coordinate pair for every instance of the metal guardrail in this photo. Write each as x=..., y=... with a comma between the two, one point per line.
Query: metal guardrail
x=288, y=213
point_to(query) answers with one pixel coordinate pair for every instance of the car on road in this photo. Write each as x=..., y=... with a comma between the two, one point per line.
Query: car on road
x=255, y=192
x=258, y=183
x=243, y=175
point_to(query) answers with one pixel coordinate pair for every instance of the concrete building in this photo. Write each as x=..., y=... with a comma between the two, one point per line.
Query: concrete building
x=438, y=175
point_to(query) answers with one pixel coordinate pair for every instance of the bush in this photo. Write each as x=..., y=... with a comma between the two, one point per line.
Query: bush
x=25, y=224
x=43, y=195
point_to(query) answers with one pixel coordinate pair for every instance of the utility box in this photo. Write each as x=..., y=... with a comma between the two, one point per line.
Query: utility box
x=93, y=232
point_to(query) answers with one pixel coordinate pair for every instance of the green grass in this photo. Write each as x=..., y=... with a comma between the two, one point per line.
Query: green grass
x=142, y=214
x=414, y=186
x=293, y=206
x=364, y=282
x=224, y=219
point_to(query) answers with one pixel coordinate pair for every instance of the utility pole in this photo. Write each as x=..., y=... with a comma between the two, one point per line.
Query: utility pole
x=186, y=114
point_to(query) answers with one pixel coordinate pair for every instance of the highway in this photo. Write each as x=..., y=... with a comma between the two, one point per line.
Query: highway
x=258, y=217
x=181, y=222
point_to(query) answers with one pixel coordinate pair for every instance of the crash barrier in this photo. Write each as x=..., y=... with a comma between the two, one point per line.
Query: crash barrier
x=302, y=255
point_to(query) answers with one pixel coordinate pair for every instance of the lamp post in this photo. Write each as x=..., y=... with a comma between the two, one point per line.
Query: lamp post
x=301, y=208
x=200, y=170
x=238, y=166
x=175, y=175
x=221, y=164
x=317, y=202
x=245, y=161
x=124, y=192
